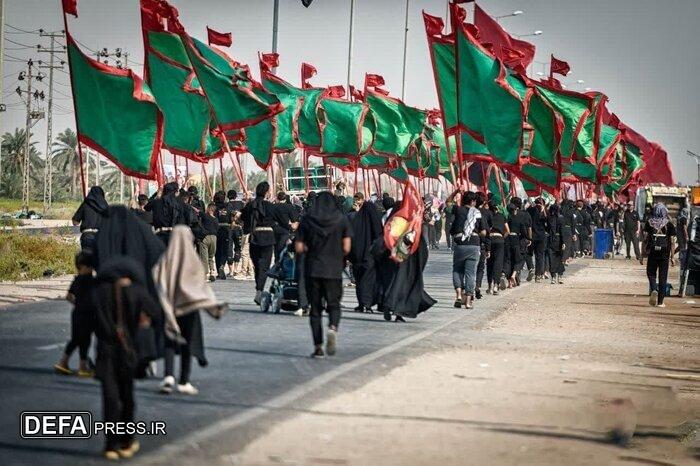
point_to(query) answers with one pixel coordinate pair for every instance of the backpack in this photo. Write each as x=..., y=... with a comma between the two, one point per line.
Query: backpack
x=659, y=240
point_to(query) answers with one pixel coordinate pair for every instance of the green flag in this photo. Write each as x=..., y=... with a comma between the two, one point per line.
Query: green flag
x=347, y=128
x=116, y=113
x=489, y=108
x=573, y=108
x=398, y=126
x=305, y=122
x=186, y=113
x=236, y=100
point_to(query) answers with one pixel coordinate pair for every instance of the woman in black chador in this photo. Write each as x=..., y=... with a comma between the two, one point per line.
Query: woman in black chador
x=89, y=216
x=258, y=221
x=366, y=227
x=401, y=285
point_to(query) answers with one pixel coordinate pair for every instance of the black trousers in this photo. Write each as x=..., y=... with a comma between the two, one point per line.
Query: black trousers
x=261, y=256
x=538, y=247
x=185, y=323
x=448, y=226
x=164, y=236
x=81, y=327
x=513, y=256
x=87, y=241
x=480, y=268
x=319, y=290
x=630, y=240
x=438, y=231
x=117, y=401
x=657, y=264
x=494, y=266
x=223, y=238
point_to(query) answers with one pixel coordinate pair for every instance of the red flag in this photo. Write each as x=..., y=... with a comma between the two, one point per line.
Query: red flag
x=512, y=58
x=402, y=232
x=224, y=39
x=492, y=32
x=307, y=72
x=381, y=91
x=336, y=91
x=268, y=61
x=70, y=7
x=559, y=66
x=434, y=116
x=553, y=82
x=356, y=93
x=657, y=168
x=434, y=25
x=373, y=80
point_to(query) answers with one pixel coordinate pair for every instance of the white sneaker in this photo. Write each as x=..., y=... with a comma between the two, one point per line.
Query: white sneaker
x=166, y=386
x=661, y=305
x=299, y=312
x=187, y=389
x=330, y=344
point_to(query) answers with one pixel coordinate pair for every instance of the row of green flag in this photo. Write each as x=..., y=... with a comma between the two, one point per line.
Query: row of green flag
x=198, y=102
x=540, y=133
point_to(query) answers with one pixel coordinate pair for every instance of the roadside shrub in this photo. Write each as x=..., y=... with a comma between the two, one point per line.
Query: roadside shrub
x=26, y=257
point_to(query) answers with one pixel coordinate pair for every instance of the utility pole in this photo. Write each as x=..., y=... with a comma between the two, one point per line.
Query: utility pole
x=31, y=115
x=52, y=51
x=2, y=54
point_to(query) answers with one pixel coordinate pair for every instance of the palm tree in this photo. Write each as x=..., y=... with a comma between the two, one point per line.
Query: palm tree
x=66, y=162
x=12, y=146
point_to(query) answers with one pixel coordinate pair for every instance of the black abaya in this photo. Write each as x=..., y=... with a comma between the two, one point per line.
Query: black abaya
x=367, y=227
x=402, y=285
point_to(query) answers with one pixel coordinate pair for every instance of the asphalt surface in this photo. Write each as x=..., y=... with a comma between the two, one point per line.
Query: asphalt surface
x=259, y=371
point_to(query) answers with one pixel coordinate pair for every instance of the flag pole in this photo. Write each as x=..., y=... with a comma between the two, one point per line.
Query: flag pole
x=75, y=114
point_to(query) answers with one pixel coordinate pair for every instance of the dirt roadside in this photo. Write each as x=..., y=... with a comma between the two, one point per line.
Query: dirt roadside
x=544, y=383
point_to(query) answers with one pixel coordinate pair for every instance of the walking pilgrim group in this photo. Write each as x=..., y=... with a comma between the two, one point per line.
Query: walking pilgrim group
x=143, y=273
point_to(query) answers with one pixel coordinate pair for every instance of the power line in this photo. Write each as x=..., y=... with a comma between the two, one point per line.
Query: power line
x=15, y=58
x=20, y=30
x=19, y=43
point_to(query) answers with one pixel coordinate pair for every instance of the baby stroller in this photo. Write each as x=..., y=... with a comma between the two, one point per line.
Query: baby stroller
x=284, y=290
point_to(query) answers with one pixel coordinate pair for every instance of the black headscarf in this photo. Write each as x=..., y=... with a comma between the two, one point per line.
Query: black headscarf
x=123, y=234
x=96, y=200
x=323, y=216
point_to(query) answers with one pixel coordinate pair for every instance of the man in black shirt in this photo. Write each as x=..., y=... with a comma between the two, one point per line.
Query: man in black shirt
x=325, y=237
x=486, y=216
x=205, y=234
x=286, y=221
x=583, y=229
x=631, y=228
x=522, y=225
x=539, y=236
x=235, y=243
x=167, y=211
x=196, y=202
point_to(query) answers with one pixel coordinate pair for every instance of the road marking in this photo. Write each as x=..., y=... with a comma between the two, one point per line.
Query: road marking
x=49, y=347
x=165, y=452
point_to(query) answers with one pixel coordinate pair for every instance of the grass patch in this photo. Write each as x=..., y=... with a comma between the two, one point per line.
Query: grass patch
x=26, y=257
x=60, y=210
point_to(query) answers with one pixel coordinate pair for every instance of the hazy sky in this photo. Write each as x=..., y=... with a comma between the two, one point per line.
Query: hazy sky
x=643, y=54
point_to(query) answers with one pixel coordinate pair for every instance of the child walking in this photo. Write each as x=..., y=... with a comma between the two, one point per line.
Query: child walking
x=80, y=294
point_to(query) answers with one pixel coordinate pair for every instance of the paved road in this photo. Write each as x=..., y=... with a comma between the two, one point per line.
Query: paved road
x=259, y=370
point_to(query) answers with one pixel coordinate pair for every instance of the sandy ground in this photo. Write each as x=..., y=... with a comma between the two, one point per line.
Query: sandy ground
x=34, y=290
x=544, y=383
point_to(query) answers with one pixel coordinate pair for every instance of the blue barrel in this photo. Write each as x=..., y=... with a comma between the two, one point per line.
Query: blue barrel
x=602, y=242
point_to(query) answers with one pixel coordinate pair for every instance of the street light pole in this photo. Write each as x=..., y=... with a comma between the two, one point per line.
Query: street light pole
x=697, y=161
x=405, y=53
x=352, y=27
